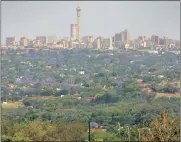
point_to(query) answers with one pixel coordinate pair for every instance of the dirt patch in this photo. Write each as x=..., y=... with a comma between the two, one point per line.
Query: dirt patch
x=174, y=84
x=158, y=95
x=178, y=84
x=13, y=105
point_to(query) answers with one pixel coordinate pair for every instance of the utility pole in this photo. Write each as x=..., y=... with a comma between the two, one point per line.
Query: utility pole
x=89, y=130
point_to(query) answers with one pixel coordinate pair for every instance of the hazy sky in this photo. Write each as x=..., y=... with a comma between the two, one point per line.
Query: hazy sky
x=97, y=18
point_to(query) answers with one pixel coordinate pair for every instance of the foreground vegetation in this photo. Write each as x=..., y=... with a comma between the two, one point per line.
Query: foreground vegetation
x=59, y=91
x=159, y=129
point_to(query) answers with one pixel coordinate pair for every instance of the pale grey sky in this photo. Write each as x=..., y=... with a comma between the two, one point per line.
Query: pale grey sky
x=97, y=18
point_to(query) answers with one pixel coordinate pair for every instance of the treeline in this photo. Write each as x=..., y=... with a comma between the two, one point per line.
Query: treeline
x=159, y=129
x=38, y=130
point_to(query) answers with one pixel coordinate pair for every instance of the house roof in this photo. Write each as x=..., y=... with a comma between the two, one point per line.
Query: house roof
x=96, y=130
x=146, y=90
x=93, y=124
x=92, y=97
x=76, y=95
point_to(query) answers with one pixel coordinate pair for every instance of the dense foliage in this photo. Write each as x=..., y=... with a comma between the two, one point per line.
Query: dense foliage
x=59, y=91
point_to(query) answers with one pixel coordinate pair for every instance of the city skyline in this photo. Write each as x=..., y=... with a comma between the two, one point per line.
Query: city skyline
x=93, y=15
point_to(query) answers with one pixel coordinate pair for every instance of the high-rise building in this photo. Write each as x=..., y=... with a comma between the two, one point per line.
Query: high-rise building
x=155, y=39
x=10, y=41
x=78, y=21
x=125, y=36
x=144, y=38
x=42, y=39
x=161, y=41
x=118, y=37
x=98, y=42
x=24, y=41
x=107, y=43
x=74, y=31
x=166, y=41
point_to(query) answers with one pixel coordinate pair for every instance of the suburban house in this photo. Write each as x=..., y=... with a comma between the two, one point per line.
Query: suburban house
x=146, y=90
x=139, y=81
x=76, y=96
x=97, y=130
x=90, y=98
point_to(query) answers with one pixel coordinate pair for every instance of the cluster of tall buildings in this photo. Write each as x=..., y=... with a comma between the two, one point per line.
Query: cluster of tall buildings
x=156, y=41
x=121, y=39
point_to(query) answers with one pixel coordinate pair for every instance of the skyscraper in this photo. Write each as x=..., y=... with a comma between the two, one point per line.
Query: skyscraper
x=155, y=39
x=107, y=43
x=125, y=36
x=78, y=21
x=118, y=37
x=74, y=31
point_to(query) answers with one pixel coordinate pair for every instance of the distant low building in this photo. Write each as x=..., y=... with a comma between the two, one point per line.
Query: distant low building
x=127, y=45
x=140, y=81
x=146, y=90
x=24, y=41
x=52, y=39
x=82, y=72
x=153, y=51
x=76, y=96
x=90, y=98
x=42, y=39
x=145, y=44
x=10, y=41
x=75, y=44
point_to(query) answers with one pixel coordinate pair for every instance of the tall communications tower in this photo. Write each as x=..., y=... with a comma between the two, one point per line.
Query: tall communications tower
x=78, y=21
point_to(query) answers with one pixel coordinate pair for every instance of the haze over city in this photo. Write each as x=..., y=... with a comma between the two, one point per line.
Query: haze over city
x=90, y=71
x=97, y=18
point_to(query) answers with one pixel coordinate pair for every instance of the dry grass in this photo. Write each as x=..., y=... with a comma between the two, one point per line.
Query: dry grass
x=12, y=105
x=178, y=84
x=158, y=95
